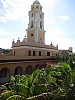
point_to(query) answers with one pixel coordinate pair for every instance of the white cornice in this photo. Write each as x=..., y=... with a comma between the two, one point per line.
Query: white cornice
x=28, y=47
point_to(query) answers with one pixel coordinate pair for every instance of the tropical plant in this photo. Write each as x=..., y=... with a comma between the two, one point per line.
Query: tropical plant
x=53, y=83
x=6, y=94
x=16, y=97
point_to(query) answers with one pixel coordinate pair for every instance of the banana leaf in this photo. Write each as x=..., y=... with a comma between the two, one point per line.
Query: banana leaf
x=7, y=94
x=16, y=97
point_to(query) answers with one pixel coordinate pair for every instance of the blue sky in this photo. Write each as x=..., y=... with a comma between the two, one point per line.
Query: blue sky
x=59, y=21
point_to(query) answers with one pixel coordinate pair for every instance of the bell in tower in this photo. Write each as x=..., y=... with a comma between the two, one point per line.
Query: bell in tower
x=35, y=31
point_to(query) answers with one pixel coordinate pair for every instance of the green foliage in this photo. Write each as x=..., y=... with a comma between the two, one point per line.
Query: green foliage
x=17, y=78
x=66, y=66
x=40, y=88
x=43, y=96
x=59, y=94
x=7, y=94
x=2, y=88
x=56, y=81
x=15, y=97
x=30, y=79
x=20, y=88
x=36, y=75
x=48, y=69
x=12, y=80
x=42, y=77
x=31, y=90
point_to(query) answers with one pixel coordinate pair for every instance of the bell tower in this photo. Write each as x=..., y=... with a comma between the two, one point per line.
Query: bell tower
x=35, y=31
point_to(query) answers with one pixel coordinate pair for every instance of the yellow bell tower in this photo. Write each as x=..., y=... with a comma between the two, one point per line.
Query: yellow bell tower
x=35, y=31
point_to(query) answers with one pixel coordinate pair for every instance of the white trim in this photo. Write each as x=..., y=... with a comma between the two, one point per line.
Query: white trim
x=25, y=61
x=28, y=47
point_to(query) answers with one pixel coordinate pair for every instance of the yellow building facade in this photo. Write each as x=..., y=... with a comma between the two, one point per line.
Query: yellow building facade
x=34, y=43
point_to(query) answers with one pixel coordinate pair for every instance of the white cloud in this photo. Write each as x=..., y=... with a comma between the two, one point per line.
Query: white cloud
x=4, y=43
x=13, y=9
x=7, y=37
x=57, y=36
x=64, y=17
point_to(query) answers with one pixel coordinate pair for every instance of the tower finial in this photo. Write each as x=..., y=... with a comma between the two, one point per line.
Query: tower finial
x=36, y=2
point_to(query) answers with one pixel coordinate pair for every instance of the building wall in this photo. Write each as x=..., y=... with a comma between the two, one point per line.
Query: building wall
x=13, y=67
x=31, y=35
x=41, y=38
x=32, y=44
x=25, y=51
x=20, y=57
x=18, y=65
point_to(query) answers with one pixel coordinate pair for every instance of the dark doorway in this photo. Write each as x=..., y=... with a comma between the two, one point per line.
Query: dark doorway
x=4, y=75
x=18, y=70
x=43, y=65
x=29, y=70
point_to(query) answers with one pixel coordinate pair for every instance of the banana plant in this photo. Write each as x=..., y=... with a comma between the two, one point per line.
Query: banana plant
x=53, y=79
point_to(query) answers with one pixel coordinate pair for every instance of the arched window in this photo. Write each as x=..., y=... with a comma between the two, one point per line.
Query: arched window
x=4, y=75
x=29, y=70
x=18, y=70
x=43, y=65
x=37, y=6
x=40, y=24
x=40, y=15
x=5, y=72
x=32, y=15
x=32, y=24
